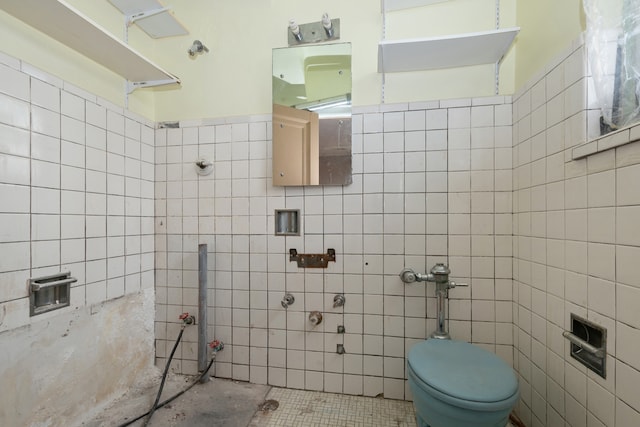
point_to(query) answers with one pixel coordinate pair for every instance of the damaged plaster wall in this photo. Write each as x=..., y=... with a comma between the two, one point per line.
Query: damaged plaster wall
x=59, y=371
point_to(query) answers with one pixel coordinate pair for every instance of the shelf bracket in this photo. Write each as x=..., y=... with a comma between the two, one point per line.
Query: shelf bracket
x=131, y=86
x=131, y=19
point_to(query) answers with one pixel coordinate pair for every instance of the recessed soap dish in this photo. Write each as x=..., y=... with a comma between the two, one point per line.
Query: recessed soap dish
x=287, y=222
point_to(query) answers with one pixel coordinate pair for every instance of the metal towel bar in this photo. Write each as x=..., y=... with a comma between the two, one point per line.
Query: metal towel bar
x=598, y=352
x=35, y=286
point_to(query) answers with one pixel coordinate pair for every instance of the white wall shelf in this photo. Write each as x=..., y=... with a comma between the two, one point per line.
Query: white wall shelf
x=67, y=25
x=151, y=16
x=486, y=47
x=391, y=5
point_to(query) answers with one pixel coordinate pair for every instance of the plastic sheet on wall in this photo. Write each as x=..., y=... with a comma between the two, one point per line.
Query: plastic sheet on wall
x=613, y=43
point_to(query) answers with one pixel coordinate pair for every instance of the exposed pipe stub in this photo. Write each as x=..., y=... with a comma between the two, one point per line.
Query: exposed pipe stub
x=315, y=317
x=196, y=48
x=204, y=167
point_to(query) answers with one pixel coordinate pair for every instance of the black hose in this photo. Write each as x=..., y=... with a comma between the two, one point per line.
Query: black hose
x=174, y=397
x=164, y=377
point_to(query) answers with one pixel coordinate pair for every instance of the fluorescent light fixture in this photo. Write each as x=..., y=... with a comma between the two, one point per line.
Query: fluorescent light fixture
x=339, y=106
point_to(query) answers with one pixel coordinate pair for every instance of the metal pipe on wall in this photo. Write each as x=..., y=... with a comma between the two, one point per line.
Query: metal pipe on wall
x=202, y=310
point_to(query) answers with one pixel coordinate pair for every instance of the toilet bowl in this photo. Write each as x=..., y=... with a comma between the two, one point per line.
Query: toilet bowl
x=457, y=384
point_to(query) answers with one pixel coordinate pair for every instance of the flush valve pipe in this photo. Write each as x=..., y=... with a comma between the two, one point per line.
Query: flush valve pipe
x=439, y=274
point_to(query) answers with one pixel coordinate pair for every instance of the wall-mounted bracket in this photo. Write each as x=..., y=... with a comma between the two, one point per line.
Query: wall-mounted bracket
x=131, y=86
x=151, y=16
x=312, y=260
x=314, y=32
x=131, y=19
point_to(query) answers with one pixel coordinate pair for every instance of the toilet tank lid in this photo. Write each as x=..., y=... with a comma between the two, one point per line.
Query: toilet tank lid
x=462, y=370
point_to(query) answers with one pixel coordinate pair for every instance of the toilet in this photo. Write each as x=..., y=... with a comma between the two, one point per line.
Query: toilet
x=457, y=384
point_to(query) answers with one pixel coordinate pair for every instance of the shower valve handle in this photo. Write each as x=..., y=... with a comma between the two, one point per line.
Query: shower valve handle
x=202, y=164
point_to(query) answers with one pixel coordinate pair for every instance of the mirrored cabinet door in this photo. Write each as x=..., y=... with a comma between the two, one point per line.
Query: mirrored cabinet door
x=312, y=115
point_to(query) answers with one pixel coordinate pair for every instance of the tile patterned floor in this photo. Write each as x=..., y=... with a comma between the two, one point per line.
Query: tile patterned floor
x=316, y=409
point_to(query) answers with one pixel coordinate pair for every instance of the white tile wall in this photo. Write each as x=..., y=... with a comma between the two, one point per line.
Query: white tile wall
x=56, y=196
x=590, y=208
x=405, y=200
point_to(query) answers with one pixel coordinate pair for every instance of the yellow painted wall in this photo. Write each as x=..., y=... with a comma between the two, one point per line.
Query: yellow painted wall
x=548, y=28
x=450, y=18
x=235, y=77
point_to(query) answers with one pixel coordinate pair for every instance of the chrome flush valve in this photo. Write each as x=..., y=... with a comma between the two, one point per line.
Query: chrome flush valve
x=439, y=274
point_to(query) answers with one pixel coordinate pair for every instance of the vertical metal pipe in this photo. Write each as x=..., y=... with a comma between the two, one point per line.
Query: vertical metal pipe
x=441, y=297
x=202, y=309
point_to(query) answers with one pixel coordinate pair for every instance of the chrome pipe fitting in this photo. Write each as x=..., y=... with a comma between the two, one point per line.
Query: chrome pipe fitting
x=315, y=317
x=439, y=274
x=287, y=300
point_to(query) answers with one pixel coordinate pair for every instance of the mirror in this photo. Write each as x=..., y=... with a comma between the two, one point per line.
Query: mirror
x=312, y=115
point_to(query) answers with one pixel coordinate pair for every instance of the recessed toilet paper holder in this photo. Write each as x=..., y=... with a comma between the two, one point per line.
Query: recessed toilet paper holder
x=588, y=344
x=47, y=293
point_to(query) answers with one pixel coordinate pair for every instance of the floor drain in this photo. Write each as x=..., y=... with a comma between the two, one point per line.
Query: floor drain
x=268, y=405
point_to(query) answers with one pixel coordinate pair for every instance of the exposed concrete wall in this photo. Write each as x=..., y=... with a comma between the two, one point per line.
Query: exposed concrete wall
x=57, y=371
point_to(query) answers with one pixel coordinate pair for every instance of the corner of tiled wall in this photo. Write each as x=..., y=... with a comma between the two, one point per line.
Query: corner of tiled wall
x=574, y=239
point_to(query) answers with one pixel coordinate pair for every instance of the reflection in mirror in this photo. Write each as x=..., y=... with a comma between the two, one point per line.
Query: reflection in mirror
x=312, y=115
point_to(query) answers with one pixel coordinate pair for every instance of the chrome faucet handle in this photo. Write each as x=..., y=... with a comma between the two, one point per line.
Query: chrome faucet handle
x=453, y=284
x=287, y=300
